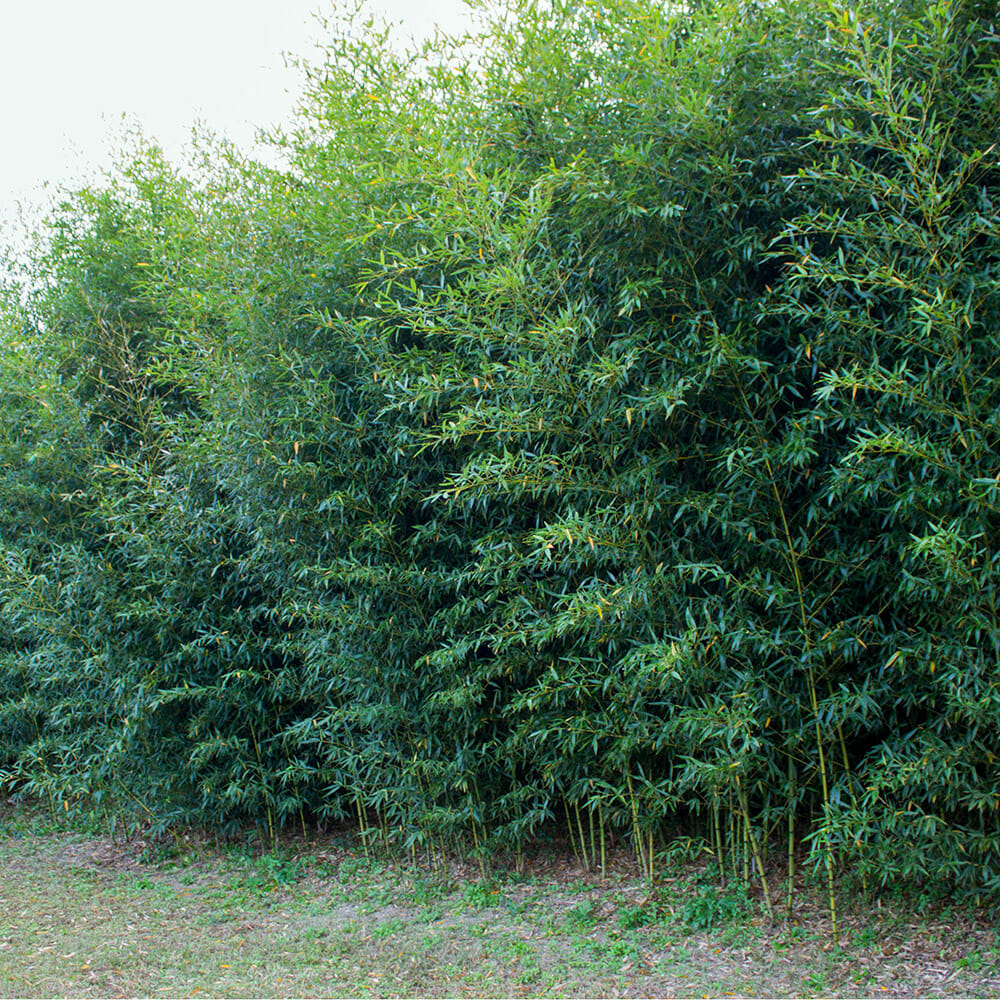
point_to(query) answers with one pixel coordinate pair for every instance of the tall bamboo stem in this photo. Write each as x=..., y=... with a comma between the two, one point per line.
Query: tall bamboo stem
x=583, y=839
x=751, y=843
x=791, y=837
x=640, y=851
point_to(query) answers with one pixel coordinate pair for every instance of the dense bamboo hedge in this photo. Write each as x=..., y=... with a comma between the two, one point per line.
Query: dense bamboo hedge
x=594, y=426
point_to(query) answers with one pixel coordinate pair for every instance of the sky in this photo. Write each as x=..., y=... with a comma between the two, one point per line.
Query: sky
x=76, y=74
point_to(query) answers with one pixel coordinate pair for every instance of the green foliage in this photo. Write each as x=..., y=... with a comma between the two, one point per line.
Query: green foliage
x=631, y=917
x=594, y=425
x=711, y=906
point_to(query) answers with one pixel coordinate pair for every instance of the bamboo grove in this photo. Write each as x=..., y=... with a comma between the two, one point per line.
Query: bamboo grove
x=592, y=426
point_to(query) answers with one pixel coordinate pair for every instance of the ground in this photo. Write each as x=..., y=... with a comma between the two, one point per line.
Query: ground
x=88, y=916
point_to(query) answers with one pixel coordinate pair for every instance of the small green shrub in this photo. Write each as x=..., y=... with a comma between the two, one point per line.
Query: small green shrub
x=642, y=915
x=707, y=907
x=582, y=914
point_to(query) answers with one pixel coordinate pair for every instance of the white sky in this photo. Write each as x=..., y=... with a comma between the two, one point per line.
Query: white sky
x=75, y=73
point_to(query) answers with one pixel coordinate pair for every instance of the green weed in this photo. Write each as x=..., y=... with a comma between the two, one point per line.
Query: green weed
x=582, y=915
x=706, y=906
x=388, y=928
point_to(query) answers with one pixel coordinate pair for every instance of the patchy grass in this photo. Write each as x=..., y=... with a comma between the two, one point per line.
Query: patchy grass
x=83, y=916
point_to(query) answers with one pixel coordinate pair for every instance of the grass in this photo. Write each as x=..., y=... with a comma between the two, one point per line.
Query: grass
x=82, y=917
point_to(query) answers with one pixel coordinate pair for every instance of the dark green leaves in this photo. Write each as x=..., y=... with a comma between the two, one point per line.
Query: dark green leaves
x=596, y=425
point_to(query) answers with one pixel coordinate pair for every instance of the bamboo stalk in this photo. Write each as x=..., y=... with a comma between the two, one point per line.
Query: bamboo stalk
x=793, y=562
x=593, y=842
x=479, y=854
x=791, y=839
x=636, y=832
x=717, y=832
x=362, y=826
x=731, y=839
x=824, y=782
x=604, y=856
x=746, y=850
x=583, y=839
x=267, y=791
x=751, y=843
x=569, y=828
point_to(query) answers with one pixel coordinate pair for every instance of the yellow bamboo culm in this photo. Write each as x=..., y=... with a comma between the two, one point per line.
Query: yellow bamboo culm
x=640, y=849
